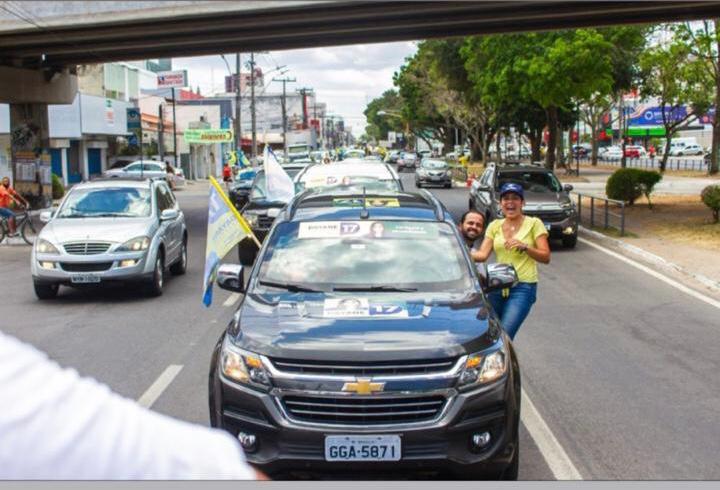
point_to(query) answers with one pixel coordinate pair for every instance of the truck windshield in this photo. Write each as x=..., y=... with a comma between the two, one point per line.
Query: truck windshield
x=366, y=255
x=532, y=181
x=121, y=202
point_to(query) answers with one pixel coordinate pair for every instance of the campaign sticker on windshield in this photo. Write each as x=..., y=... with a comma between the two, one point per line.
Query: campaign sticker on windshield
x=367, y=229
x=382, y=202
x=404, y=229
x=346, y=308
x=388, y=310
x=350, y=202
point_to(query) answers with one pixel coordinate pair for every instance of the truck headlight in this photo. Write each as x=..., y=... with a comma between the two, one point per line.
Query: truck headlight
x=135, y=245
x=483, y=368
x=45, y=247
x=244, y=367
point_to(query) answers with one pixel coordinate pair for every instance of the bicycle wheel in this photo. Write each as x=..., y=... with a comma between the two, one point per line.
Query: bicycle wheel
x=28, y=231
x=2, y=230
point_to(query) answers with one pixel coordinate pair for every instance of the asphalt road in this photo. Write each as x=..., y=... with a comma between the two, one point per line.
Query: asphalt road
x=622, y=368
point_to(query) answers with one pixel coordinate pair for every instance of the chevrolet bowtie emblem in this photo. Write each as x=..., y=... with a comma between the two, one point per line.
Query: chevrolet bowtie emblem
x=363, y=386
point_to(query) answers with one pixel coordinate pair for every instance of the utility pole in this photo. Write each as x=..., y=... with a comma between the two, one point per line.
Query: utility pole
x=252, y=104
x=161, y=143
x=305, y=92
x=238, y=124
x=284, y=111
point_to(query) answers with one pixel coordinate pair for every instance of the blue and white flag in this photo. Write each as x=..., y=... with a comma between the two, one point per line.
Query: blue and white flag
x=279, y=185
x=243, y=160
x=226, y=227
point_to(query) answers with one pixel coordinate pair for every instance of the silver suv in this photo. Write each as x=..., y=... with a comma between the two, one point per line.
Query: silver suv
x=111, y=231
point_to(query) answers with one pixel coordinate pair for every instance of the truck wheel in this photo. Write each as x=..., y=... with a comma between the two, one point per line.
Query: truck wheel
x=180, y=267
x=155, y=286
x=569, y=241
x=511, y=472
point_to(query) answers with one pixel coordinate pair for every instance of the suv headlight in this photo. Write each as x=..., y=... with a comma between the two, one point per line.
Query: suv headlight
x=483, y=368
x=135, y=245
x=569, y=208
x=244, y=367
x=251, y=218
x=45, y=247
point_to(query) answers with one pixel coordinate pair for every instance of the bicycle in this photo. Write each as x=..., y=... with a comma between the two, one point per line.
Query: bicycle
x=24, y=225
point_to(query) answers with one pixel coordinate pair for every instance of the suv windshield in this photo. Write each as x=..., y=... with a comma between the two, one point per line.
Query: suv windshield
x=434, y=164
x=531, y=181
x=127, y=202
x=365, y=256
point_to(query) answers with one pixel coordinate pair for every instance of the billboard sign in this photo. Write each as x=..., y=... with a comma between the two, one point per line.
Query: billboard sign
x=208, y=136
x=172, y=79
x=653, y=116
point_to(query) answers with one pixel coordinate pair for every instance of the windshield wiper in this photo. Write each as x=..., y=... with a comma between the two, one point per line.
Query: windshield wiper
x=383, y=288
x=111, y=215
x=293, y=288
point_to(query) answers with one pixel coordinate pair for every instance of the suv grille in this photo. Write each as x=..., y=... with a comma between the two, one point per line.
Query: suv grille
x=347, y=368
x=87, y=248
x=85, y=267
x=352, y=410
x=265, y=222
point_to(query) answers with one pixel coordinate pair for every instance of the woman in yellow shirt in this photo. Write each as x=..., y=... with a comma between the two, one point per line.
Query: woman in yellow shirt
x=521, y=241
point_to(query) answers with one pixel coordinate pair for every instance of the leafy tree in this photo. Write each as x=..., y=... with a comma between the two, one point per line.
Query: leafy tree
x=379, y=125
x=676, y=78
x=703, y=41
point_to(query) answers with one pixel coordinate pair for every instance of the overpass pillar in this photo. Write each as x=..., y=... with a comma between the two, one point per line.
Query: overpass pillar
x=30, y=152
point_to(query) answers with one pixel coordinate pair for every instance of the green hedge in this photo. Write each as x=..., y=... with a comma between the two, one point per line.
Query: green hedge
x=628, y=184
x=58, y=189
x=710, y=195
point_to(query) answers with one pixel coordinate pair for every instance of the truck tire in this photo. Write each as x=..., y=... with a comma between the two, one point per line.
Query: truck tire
x=569, y=241
x=46, y=291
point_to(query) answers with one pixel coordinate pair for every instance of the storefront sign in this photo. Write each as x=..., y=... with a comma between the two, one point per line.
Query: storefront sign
x=172, y=79
x=133, y=119
x=653, y=116
x=208, y=136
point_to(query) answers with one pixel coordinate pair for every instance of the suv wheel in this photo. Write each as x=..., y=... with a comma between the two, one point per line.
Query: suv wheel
x=180, y=267
x=155, y=286
x=511, y=472
x=569, y=241
x=46, y=291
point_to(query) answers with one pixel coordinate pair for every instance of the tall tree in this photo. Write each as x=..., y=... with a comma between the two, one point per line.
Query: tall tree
x=679, y=81
x=703, y=40
x=380, y=124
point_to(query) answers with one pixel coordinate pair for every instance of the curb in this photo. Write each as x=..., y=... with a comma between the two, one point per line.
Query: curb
x=655, y=259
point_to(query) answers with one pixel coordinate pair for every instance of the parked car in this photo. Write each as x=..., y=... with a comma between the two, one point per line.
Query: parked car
x=689, y=150
x=260, y=213
x=433, y=172
x=635, y=151
x=611, y=153
x=407, y=160
x=127, y=231
x=545, y=198
x=364, y=342
x=141, y=168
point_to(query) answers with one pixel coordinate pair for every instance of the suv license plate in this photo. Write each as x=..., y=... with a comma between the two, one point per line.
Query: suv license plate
x=362, y=448
x=85, y=278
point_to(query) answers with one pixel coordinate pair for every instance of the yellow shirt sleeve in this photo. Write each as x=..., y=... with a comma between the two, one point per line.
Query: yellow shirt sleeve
x=493, y=228
x=538, y=229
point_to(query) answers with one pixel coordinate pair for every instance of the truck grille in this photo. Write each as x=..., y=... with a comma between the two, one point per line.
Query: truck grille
x=364, y=368
x=86, y=266
x=351, y=410
x=86, y=248
x=550, y=216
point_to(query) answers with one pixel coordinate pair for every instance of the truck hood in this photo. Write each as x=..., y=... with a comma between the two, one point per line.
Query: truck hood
x=545, y=201
x=118, y=230
x=306, y=326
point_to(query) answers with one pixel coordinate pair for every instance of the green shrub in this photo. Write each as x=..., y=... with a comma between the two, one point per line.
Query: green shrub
x=710, y=195
x=58, y=189
x=628, y=184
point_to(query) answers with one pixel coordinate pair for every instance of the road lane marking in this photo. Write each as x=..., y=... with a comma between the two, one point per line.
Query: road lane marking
x=232, y=299
x=555, y=456
x=156, y=389
x=656, y=275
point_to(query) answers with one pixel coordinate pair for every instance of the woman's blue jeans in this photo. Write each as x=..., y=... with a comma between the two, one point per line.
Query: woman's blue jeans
x=513, y=310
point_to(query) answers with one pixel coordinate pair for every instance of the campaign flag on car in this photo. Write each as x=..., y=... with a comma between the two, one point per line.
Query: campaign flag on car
x=243, y=159
x=226, y=227
x=278, y=183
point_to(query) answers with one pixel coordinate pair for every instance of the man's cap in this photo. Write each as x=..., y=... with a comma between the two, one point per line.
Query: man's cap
x=511, y=187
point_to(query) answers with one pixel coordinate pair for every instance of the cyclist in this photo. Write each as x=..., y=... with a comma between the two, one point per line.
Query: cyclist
x=8, y=195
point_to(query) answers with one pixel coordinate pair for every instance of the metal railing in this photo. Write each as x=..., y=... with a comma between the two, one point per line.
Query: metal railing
x=690, y=164
x=602, y=215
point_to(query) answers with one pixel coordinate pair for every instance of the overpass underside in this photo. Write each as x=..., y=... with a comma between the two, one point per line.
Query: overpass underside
x=292, y=25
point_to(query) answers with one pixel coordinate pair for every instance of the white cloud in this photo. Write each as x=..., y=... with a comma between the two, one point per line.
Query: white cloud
x=346, y=77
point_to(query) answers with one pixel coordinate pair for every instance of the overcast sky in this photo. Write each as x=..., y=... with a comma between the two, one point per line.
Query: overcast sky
x=345, y=77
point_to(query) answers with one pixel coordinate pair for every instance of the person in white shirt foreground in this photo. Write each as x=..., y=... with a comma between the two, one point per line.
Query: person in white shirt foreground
x=55, y=425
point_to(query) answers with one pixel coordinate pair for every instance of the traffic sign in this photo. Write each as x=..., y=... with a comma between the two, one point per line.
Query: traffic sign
x=172, y=79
